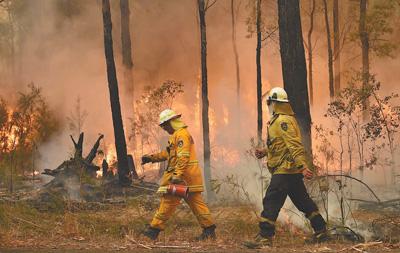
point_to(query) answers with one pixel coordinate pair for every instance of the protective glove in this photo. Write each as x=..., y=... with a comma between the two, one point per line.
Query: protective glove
x=146, y=159
x=308, y=174
x=176, y=180
x=260, y=153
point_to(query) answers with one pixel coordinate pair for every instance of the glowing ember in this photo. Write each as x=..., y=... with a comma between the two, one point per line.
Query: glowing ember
x=99, y=173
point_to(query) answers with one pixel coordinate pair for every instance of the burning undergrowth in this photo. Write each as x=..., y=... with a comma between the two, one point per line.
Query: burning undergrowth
x=25, y=124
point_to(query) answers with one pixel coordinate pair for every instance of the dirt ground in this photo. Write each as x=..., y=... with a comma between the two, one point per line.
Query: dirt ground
x=100, y=227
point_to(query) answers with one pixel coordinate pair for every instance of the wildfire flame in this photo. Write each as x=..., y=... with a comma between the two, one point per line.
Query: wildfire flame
x=110, y=155
x=99, y=173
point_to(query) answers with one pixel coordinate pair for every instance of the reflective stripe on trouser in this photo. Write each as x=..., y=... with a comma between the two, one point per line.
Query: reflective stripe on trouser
x=281, y=186
x=169, y=203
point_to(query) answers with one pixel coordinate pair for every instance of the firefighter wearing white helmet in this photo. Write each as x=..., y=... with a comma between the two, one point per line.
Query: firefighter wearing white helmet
x=286, y=161
x=277, y=94
x=167, y=115
x=182, y=169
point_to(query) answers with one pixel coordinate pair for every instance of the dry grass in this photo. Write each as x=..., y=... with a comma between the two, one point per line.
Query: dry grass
x=22, y=226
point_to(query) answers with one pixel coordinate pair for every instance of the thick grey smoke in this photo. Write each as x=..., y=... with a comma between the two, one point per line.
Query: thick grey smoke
x=62, y=52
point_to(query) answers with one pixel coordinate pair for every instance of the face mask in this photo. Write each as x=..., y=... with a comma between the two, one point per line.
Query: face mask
x=271, y=110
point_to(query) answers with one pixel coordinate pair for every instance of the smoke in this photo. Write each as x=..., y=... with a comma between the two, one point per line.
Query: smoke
x=62, y=52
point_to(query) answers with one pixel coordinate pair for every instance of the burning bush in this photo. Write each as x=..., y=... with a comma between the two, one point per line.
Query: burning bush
x=23, y=128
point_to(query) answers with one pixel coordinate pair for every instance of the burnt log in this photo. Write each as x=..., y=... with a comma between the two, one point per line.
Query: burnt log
x=78, y=146
x=93, y=152
x=75, y=179
x=54, y=172
x=104, y=167
x=77, y=161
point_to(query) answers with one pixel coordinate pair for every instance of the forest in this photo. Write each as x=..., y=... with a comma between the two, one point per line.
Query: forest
x=83, y=84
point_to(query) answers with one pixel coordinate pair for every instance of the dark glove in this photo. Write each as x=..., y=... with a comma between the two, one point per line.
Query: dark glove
x=146, y=159
x=260, y=153
x=176, y=180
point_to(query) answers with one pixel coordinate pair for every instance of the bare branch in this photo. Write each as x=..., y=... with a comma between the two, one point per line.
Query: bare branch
x=353, y=178
x=343, y=37
x=270, y=34
x=208, y=5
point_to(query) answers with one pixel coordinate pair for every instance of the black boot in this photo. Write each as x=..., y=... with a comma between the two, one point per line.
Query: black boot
x=319, y=237
x=259, y=242
x=320, y=232
x=208, y=233
x=151, y=233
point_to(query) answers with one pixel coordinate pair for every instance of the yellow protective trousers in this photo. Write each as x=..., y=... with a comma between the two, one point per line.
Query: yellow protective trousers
x=169, y=203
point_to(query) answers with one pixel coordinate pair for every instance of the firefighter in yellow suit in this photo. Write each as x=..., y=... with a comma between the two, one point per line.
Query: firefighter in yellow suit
x=287, y=163
x=183, y=168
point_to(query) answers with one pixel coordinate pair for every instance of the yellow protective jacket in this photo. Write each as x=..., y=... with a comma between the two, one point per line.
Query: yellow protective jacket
x=182, y=161
x=285, y=151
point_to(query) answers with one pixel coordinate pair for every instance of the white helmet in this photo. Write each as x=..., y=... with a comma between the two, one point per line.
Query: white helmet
x=167, y=115
x=277, y=94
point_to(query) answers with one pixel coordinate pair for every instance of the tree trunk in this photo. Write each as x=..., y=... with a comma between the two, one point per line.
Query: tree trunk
x=120, y=143
x=131, y=166
x=258, y=63
x=364, y=38
x=294, y=65
x=205, y=103
x=125, y=34
x=310, y=52
x=336, y=45
x=330, y=54
x=236, y=54
x=127, y=59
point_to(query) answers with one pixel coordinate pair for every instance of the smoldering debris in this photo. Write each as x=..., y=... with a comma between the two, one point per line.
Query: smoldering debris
x=77, y=179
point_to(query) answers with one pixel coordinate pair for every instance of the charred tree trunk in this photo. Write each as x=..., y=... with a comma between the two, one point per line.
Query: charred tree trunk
x=258, y=63
x=294, y=65
x=336, y=45
x=120, y=143
x=205, y=103
x=330, y=54
x=236, y=54
x=364, y=38
x=104, y=167
x=93, y=152
x=310, y=52
x=78, y=146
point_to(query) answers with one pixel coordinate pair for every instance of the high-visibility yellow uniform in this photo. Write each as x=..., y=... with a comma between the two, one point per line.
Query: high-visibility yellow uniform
x=169, y=203
x=286, y=161
x=183, y=164
x=285, y=151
